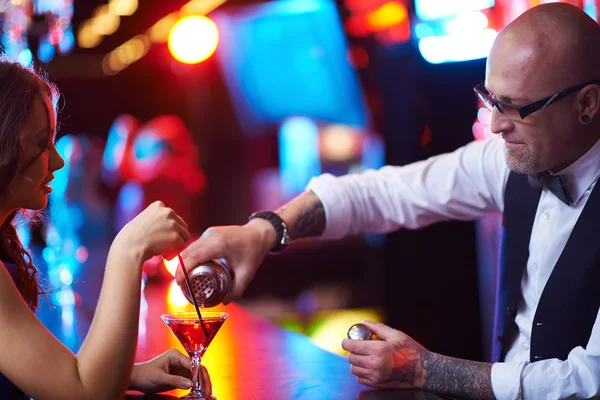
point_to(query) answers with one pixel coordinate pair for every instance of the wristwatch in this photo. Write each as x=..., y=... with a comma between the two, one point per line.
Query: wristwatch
x=283, y=237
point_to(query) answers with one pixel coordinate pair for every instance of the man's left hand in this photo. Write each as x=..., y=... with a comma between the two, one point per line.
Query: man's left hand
x=393, y=362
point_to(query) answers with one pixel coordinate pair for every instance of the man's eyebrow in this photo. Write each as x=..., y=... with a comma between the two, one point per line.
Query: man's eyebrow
x=505, y=98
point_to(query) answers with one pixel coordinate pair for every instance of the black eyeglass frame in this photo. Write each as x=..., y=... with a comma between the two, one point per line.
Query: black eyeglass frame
x=529, y=109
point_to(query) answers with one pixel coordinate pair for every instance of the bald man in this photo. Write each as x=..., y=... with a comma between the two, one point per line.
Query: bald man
x=543, y=88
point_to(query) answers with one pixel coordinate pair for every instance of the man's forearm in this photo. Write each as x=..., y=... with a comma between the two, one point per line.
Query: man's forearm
x=304, y=216
x=456, y=377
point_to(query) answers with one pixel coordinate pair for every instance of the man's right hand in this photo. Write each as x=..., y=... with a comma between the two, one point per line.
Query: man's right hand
x=243, y=247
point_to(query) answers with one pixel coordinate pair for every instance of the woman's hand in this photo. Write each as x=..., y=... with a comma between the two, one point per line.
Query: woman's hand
x=171, y=370
x=155, y=231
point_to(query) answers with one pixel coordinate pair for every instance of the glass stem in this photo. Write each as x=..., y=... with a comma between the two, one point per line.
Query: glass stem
x=196, y=387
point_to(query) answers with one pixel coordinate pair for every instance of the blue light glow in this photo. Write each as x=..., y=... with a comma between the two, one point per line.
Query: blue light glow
x=373, y=153
x=114, y=150
x=130, y=197
x=23, y=231
x=129, y=203
x=591, y=9
x=298, y=154
x=148, y=146
x=423, y=30
x=115, y=144
x=64, y=146
x=46, y=51
x=67, y=43
x=66, y=277
x=5, y=39
x=67, y=316
x=52, y=236
x=25, y=57
x=288, y=58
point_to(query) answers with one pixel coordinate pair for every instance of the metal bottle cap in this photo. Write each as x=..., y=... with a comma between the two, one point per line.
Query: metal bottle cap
x=359, y=332
x=210, y=283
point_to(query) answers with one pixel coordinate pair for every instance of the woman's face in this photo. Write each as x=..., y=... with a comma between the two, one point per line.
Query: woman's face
x=38, y=159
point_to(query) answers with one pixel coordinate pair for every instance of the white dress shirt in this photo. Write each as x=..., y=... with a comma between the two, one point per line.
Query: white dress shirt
x=467, y=184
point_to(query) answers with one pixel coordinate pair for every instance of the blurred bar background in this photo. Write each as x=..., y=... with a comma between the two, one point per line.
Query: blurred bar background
x=221, y=108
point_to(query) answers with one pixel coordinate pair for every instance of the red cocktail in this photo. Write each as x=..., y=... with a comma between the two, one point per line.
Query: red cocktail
x=190, y=333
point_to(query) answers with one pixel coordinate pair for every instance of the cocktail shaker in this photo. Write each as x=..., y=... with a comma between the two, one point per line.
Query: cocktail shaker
x=359, y=332
x=210, y=283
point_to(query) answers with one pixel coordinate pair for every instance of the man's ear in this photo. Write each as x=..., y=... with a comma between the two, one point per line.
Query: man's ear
x=588, y=102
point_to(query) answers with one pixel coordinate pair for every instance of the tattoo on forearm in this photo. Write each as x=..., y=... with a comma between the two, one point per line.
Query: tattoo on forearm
x=311, y=221
x=455, y=377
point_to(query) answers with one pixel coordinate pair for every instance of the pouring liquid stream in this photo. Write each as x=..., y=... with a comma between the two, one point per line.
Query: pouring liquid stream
x=187, y=283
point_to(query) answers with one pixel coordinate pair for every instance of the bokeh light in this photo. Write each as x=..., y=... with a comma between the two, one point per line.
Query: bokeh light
x=193, y=39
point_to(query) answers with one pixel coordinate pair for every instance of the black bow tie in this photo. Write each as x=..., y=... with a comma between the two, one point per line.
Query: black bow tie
x=554, y=183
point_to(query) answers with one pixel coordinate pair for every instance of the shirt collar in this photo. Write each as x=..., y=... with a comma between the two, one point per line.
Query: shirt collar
x=580, y=175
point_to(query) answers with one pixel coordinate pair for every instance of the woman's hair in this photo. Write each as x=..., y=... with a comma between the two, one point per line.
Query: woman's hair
x=19, y=86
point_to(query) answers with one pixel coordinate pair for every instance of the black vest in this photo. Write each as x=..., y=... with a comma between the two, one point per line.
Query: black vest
x=570, y=300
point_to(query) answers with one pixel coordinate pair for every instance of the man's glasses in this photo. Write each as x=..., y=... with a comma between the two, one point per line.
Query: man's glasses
x=520, y=112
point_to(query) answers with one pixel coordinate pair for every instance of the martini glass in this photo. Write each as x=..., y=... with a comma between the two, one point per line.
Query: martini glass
x=189, y=331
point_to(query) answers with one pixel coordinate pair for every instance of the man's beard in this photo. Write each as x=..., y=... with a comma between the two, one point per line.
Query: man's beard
x=521, y=163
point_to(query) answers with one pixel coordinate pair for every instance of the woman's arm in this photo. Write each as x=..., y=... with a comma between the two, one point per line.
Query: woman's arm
x=42, y=367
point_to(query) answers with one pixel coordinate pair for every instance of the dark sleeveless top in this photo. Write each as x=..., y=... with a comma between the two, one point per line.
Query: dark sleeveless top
x=570, y=301
x=8, y=391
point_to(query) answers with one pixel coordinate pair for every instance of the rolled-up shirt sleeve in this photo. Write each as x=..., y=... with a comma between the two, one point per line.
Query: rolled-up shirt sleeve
x=577, y=377
x=506, y=380
x=465, y=184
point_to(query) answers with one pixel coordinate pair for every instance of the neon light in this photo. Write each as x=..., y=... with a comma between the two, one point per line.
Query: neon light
x=467, y=22
x=429, y=10
x=457, y=47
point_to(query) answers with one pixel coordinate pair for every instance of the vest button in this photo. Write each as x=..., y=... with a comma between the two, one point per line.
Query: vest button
x=510, y=311
x=500, y=338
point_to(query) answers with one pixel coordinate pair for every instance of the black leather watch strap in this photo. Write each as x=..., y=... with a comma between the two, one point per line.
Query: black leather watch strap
x=283, y=237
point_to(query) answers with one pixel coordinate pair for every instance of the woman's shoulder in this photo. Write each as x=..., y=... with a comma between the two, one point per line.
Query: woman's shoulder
x=11, y=268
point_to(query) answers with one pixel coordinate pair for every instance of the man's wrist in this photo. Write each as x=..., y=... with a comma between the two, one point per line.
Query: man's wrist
x=282, y=237
x=267, y=231
x=420, y=372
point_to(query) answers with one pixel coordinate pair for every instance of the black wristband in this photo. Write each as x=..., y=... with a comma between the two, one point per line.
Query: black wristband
x=283, y=238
